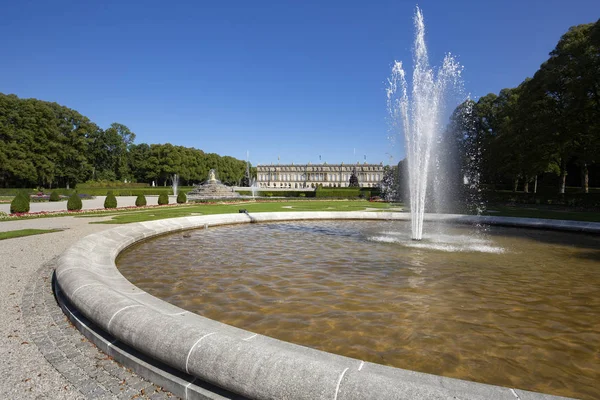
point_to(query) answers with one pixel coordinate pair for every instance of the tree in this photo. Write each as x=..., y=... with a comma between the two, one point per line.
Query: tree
x=569, y=86
x=353, y=182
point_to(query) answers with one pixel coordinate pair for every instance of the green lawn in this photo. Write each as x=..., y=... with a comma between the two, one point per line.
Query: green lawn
x=25, y=232
x=532, y=211
x=124, y=217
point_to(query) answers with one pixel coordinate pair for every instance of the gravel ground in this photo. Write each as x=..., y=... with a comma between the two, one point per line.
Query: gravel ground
x=91, y=204
x=28, y=367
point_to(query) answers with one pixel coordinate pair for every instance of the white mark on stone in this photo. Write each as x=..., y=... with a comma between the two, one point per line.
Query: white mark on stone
x=515, y=394
x=132, y=293
x=82, y=286
x=251, y=337
x=124, y=308
x=337, y=387
x=187, y=386
x=362, y=363
x=187, y=360
x=179, y=313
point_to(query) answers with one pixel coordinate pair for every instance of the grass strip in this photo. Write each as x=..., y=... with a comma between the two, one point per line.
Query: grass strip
x=25, y=232
x=209, y=209
x=528, y=211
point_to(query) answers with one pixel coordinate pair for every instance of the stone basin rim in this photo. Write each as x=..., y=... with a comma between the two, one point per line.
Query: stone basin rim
x=251, y=365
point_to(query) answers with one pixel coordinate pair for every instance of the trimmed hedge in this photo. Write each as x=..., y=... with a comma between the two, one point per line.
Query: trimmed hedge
x=163, y=199
x=74, y=203
x=282, y=193
x=181, y=198
x=140, y=201
x=20, y=204
x=111, y=184
x=110, y=201
x=54, y=196
x=347, y=192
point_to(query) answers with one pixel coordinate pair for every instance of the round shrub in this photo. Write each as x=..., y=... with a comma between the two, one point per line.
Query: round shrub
x=20, y=204
x=54, y=196
x=140, y=201
x=181, y=198
x=163, y=199
x=74, y=203
x=110, y=201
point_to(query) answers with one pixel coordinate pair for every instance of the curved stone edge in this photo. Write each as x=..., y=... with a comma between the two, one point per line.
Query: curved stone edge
x=251, y=365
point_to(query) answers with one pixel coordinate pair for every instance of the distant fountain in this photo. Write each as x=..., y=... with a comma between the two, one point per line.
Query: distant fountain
x=254, y=187
x=175, y=184
x=212, y=189
x=419, y=116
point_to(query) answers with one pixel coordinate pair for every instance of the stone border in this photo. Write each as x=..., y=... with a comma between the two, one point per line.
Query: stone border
x=251, y=365
x=88, y=370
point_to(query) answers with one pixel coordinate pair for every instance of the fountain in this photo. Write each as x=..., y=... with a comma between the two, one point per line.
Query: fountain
x=419, y=117
x=254, y=187
x=175, y=185
x=212, y=189
x=441, y=305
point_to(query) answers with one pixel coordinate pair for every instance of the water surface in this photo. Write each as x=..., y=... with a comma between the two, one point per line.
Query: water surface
x=514, y=307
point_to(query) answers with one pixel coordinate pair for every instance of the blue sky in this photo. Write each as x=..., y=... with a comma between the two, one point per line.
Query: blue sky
x=289, y=79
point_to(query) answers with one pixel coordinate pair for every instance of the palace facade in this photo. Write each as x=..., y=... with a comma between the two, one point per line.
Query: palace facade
x=301, y=176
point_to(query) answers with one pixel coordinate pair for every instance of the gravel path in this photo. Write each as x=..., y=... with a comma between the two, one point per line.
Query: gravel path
x=91, y=204
x=36, y=340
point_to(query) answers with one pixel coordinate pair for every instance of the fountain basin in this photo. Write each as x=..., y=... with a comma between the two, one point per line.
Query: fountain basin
x=252, y=366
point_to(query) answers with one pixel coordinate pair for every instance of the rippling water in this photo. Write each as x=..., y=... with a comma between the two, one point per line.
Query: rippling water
x=512, y=307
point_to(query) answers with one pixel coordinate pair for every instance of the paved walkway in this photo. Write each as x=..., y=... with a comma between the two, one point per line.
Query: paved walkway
x=91, y=204
x=42, y=355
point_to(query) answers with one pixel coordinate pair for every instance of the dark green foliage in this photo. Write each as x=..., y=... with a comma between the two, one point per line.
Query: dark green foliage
x=54, y=196
x=20, y=204
x=163, y=199
x=353, y=180
x=181, y=198
x=339, y=193
x=140, y=201
x=74, y=203
x=44, y=144
x=110, y=201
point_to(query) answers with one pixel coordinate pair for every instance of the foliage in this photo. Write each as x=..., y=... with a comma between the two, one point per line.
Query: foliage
x=110, y=201
x=140, y=201
x=181, y=198
x=540, y=128
x=163, y=199
x=353, y=182
x=74, y=203
x=46, y=144
x=111, y=185
x=54, y=196
x=340, y=193
x=20, y=204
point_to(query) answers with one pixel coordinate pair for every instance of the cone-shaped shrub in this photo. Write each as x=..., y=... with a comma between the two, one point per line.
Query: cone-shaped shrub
x=20, y=204
x=74, y=203
x=140, y=201
x=181, y=198
x=54, y=196
x=163, y=198
x=110, y=201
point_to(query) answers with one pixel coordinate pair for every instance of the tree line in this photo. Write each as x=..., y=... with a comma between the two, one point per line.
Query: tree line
x=49, y=145
x=546, y=127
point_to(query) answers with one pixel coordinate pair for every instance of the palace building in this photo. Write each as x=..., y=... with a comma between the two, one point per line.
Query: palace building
x=300, y=176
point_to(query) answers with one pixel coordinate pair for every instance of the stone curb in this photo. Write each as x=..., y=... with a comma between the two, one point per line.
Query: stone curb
x=89, y=371
x=251, y=365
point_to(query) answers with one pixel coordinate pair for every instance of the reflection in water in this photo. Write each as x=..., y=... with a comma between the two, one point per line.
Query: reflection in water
x=516, y=308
